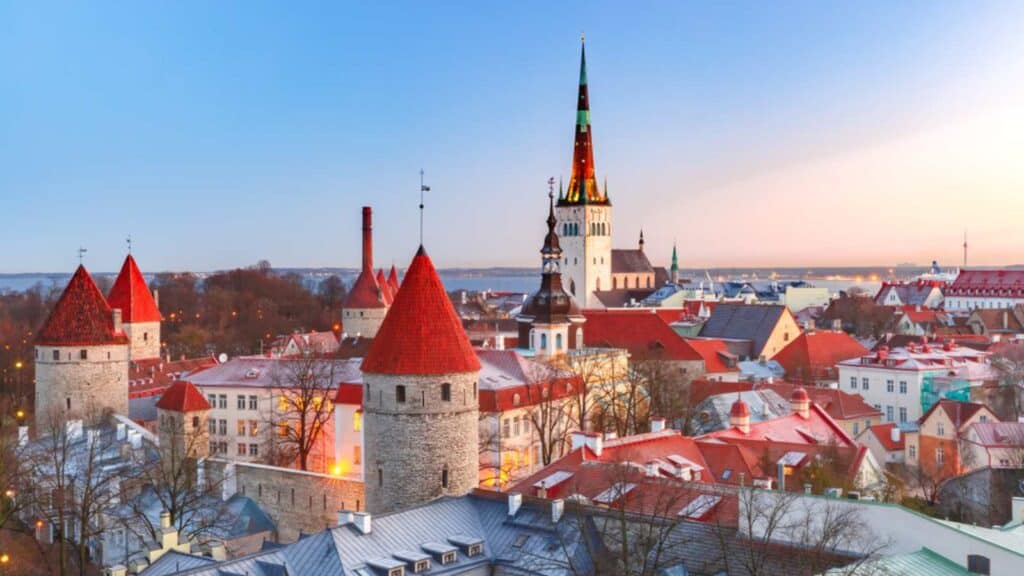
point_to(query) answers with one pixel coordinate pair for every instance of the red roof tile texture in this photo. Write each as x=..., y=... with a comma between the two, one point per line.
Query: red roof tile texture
x=393, y=281
x=385, y=288
x=365, y=292
x=714, y=352
x=81, y=317
x=813, y=355
x=421, y=334
x=183, y=396
x=643, y=333
x=131, y=294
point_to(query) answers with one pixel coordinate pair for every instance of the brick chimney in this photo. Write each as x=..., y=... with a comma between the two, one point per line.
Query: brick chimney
x=367, y=238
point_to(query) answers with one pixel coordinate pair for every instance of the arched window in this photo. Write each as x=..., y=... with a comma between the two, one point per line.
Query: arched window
x=446, y=392
x=579, y=337
x=516, y=399
x=558, y=341
x=543, y=341
x=444, y=476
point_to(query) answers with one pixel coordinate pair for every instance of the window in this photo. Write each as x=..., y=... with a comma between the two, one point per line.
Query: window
x=253, y=403
x=516, y=400
x=474, y=390
x=357, y=454
x=212, y=425
x=913, y=452
x=421, y=566
x=890, y=386
x=67, y=401
x=83, y=354
x=357, y=420
x=222, y=401
x=543, y=341
x=941, y=428
x=853, y=382
x=903, y=414
x=940, y=455
x=241, y=449
x=505, y=428
x=400, y=571
x=515, y=426
x=903, y=386
x=56, y=355
x=1004, y=462
x=241, y=402
x=241, y=427
x=444, y=476
x=864, y=383
x=558, y=341
x=283, y=430
x=888, y=413
x=380, y=476
x=400, y=394
x=254, y=427
x=254, y=449
x=983, y=418
x=448, y=558
x=222, y=447
x=446, y=392
x=856, y=428
x=223, y=427
x=475, y=550
x=145, y=336
x=195, y=422
x=212, y=398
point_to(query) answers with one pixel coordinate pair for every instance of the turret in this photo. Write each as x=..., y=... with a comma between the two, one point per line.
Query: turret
x=139, y=313
x=367, y=302
x=739, y=415
x=420, y=406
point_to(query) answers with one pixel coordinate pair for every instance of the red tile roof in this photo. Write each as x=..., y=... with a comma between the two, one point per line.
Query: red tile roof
x=349, y=393
x=132, y=296
x=998, y=282
x=421, y=333
x=385, y=288
x=151, y=376
x=393, y=280
x=715, y=354
x=643, y=333
x=958, y=412
x=883, y=432
x=365, y=293
x=81, y=317
x=839, y=405
x=182, y=396
x=813, y=355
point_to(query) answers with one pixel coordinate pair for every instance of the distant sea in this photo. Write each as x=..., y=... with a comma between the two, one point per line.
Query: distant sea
x=868, y=278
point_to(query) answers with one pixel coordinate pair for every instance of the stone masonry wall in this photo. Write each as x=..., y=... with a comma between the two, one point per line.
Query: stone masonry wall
x=408, y=445
x=297, y=501
x=363, y=322
x=92, y=385
x=144, y=338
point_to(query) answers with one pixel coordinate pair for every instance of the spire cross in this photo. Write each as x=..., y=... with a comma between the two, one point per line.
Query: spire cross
x=551, y=187
x=81, y=254
x=423, y=188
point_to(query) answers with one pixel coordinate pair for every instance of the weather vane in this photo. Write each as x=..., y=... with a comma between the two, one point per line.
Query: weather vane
x=423, y=188
x=81, y=254
x=551, y=187
x=129, y=241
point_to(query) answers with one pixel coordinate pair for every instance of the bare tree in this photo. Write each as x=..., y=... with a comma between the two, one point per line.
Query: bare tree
x=303, y=386
x=549, y=412
x=1008, y=360
x=12, y=465
x=74, y=481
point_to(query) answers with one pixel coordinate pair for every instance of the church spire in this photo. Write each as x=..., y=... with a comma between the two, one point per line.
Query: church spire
x=675, y=265
x=583, y=187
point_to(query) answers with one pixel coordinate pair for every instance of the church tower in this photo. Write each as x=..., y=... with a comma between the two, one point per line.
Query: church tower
x=550, y=323
x=81, y=356
x=420, y=407
x=139, y=313
x=584, y=213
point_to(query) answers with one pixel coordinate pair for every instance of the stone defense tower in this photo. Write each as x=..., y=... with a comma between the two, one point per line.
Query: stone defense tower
x=584, y=213
x=81, y=356
x=139, y=313
x=550, y=324
x=419, y=399
x=182, y=413
x=367, y=303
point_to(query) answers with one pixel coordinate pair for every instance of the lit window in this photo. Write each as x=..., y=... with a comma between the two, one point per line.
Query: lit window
x=357, y=420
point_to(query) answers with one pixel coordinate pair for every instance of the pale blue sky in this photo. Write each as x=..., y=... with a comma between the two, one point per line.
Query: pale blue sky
x=755, y=133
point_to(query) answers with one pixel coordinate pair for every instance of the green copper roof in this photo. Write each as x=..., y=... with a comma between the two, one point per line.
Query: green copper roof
x=924, y=561
x=675, y=258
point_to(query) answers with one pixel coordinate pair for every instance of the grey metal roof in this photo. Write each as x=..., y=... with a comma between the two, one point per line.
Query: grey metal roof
x=753, y=322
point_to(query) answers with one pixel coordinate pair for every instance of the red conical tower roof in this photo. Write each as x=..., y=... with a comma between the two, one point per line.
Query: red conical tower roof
x=385, y=288
x=132, y=296
x=183, y=396
x=393, y=281
x=365, y=293
x=421, y=334
x=81, y=316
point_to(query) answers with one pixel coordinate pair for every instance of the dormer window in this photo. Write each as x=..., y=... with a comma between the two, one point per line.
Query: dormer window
x=475, y=550
x=400, y=571
x=421, y=566
x=448, y=558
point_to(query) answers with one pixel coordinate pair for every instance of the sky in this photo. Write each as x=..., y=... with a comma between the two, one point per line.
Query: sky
x=750, y=133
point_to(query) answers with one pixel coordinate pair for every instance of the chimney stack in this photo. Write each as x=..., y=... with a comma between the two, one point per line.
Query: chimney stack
x=118, y=326
x=515, y=501
x=367, y=238
x=362, y=522
x=557, y=508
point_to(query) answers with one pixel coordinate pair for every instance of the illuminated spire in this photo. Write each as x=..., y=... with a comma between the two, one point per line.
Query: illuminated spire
x=583, y=186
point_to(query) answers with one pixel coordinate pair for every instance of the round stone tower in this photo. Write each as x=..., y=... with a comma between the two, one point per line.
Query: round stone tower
x=81, y=356
x=420, y=399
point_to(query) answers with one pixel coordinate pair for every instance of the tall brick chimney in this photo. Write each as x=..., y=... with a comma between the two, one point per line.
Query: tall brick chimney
x=367, y=238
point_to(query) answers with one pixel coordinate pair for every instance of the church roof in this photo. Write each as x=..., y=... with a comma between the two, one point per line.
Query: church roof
x=183, y=396
x=421, y=334
x=630, y=261
x=81, y=317
x=365, y=293
x=132, y=296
